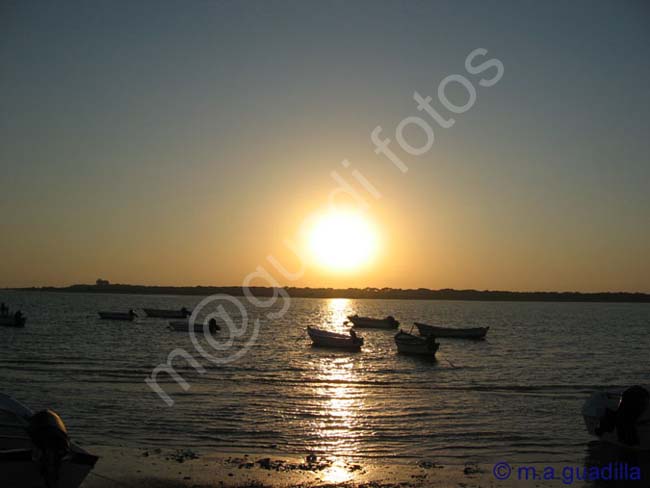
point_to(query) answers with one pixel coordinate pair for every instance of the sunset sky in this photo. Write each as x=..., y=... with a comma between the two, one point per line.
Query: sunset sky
x=181, y=143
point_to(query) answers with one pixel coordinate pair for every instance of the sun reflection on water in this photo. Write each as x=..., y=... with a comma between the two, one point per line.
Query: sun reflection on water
x=337, y=314
x=339, y=402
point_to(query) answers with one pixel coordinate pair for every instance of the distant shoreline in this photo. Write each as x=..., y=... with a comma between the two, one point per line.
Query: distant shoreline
x=357, y=293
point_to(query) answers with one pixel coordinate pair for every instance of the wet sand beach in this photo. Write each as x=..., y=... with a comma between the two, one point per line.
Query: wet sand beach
x=185, y=468
x=188, y=468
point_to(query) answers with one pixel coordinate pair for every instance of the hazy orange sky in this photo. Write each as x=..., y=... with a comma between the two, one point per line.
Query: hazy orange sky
x=182, y=143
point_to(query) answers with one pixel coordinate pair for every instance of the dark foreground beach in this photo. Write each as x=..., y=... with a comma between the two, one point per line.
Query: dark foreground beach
x=169, y=468
x=185, y=468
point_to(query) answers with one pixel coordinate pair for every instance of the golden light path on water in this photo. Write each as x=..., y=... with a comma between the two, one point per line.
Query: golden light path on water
x=340, y=401
x=337, y=313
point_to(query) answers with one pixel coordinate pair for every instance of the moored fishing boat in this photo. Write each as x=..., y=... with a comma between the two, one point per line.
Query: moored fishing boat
x=372, y=323
x=35, y=450
x=184, y=326
x=414, y=345
x=619, y=418
x=130, y=315
x=452, y=332
x=167, y=314
x=13, y=320
x=325, y=338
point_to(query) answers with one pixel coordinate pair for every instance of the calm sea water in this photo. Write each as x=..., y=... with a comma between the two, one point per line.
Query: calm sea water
x=516, y=395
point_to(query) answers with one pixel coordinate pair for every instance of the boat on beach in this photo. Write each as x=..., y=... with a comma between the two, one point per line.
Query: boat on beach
x=414, y=345
x=130, y=315
x=325, y=338
x=372, y=323
x=36, y=451
x=452, y=332
x=184, y=326
x=622, y=419
x=13, y=320
x=167, y=314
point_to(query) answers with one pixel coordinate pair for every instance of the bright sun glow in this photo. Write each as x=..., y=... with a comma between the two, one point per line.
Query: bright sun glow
x=343, y=240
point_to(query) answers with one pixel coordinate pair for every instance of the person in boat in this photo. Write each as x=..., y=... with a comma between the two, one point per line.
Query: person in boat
x=185, y=311
x=353, y=334
x=4, y=310
x=18, y=316
x=132, y=313
x=212, y=324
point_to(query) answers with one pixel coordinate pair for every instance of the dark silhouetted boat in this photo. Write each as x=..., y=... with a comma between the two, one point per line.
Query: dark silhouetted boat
x=13, y=320
x=167, y=314
x=619, y=418
x=35, y=450
x=414, y=345
x=130, y=315
x=450, y=332
x=325, y=338
x=184, y=325
x=370, y=323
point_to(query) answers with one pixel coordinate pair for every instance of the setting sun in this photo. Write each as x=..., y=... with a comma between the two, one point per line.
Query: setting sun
x=342, y=240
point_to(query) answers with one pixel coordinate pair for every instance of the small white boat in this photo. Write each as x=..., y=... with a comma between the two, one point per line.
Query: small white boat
x=184, y=326
x=13, y=320
x=370, y=323
x=450, y=332
x=622, y=419
x=130, y=315
x=35, y=450
x=167, y=314
x=325, y=338
x=411, y=344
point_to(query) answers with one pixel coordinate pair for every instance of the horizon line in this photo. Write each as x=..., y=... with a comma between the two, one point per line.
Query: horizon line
x=369, y=290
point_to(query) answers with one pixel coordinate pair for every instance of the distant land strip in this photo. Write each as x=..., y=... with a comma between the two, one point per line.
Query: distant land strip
x=374, y=293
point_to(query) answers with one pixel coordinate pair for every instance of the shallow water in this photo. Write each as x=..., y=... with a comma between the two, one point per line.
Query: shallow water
x=515, y=396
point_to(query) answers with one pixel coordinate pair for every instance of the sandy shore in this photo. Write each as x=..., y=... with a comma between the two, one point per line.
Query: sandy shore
x=156, y=468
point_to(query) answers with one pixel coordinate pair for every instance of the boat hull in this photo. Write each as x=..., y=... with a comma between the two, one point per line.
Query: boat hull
x=17, y=466
x=166, y=314
x=370, y=323
x=12, y=321
x=116, y=316
x=416, y=346
x=451, y=333
x=322, y=338
x=184, y=326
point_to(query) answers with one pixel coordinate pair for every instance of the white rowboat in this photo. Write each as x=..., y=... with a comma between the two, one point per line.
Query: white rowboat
x=324, y=338
x=414, y=345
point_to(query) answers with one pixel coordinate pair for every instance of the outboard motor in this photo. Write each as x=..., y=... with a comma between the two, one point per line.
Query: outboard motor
x=50, y=438
x=634, y=402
